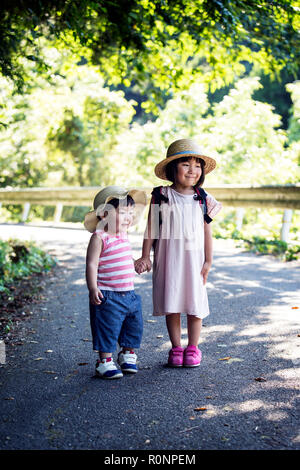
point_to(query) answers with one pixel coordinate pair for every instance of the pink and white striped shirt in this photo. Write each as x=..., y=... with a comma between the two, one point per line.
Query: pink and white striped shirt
x=116, y=269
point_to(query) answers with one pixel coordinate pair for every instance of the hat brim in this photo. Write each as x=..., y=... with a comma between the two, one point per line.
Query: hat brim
x=137, y=195
x=140, y=198
x=90, y=221
x=160, y=168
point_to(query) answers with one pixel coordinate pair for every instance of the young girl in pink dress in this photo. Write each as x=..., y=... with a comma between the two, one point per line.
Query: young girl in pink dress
x=179, y=231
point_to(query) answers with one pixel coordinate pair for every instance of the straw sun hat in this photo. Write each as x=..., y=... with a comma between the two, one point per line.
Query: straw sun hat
x=107, y=194
x=183, y=148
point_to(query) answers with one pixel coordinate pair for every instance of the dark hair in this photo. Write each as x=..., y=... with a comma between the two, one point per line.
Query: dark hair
x=171, y=169
x=115, y=202
x=127, y=201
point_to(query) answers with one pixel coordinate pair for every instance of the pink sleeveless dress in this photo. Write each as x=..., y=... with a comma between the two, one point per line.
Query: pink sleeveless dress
x=179, y=256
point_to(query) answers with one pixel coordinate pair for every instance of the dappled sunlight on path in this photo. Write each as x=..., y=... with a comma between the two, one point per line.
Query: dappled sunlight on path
x=245, y=394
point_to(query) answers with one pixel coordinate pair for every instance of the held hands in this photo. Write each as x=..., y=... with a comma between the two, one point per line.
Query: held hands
x=142, y=264
x=205, y=270
x=95, y=296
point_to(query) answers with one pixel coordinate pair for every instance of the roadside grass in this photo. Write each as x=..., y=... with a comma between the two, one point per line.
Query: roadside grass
x=259, y=232
x=23, y=266
x=262, y=246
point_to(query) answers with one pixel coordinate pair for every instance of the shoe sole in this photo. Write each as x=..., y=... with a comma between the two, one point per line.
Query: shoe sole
x=127, y=370
x=174, y=365
x=117, y=376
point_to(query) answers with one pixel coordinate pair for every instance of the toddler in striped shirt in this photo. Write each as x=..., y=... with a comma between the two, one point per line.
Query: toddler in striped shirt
x=115, y=308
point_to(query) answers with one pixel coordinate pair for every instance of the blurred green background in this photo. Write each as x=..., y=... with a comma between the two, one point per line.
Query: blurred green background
x=92, y=93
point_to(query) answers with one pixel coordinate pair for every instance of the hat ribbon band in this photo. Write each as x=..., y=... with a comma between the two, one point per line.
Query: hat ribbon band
x=184, y=153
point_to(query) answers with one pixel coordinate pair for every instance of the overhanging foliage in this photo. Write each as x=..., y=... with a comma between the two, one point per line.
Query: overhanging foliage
x=161, y=42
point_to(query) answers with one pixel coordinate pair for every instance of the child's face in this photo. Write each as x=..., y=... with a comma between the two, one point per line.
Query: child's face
x=120, y=219
x=188, y=173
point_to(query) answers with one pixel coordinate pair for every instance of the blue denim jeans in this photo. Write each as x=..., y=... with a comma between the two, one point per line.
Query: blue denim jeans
x=118, y=319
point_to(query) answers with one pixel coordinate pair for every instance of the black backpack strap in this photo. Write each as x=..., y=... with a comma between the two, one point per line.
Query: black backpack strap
x=201, y=196
x=157, y=196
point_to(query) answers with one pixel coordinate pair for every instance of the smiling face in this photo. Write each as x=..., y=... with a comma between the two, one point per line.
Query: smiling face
x=188, y=172
x=119, y=215
x=124, y=218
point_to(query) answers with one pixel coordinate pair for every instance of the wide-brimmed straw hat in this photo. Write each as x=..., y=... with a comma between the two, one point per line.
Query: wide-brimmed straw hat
x=107, y=194
x=184, y=148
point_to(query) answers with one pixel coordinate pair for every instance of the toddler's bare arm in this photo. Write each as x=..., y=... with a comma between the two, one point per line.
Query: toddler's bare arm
x=92, y=261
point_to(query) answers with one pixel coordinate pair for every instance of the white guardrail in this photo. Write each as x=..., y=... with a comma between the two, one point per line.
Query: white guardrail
x=280, y=197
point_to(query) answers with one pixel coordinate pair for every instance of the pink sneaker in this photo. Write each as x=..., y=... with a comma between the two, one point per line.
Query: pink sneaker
x=192, y=356
x=175, y=357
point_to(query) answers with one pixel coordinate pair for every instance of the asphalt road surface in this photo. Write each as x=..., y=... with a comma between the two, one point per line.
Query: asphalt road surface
x=244, y=396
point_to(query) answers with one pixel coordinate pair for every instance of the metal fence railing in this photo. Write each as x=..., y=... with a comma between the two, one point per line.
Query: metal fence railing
x=280, y=197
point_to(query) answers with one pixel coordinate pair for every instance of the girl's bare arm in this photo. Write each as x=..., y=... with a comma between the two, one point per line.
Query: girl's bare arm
x=208, y=250
x=92, y=261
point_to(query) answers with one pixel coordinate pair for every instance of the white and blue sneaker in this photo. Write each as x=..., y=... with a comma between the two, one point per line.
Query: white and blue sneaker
x=127, y=362
x=107, y=369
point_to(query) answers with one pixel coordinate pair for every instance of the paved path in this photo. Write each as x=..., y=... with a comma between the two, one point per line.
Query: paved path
x=50, y=398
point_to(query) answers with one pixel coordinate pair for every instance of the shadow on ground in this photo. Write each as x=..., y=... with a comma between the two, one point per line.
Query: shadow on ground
x=243, y=396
